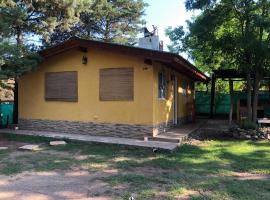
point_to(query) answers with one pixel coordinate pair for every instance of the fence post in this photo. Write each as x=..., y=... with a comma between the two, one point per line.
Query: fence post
x=231, y=101
x=213, y=91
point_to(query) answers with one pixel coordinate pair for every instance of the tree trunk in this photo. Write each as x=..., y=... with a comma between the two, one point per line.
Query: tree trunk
x=231, y=101
x=249, y=110
x=213, y=91
x=269, y=89
x=15, y=103
x=106, y=32
x=19, y=40
x=255, y=96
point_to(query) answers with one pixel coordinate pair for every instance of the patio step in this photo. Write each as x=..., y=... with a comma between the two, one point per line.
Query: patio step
x=163, y=139
x=168, y=138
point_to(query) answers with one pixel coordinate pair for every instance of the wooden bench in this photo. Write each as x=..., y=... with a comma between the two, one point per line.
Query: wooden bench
x=264, y=121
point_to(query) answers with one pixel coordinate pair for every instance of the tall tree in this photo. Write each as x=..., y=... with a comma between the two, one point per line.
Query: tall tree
x=23, y=19
x=107, y=20
x=232, y=34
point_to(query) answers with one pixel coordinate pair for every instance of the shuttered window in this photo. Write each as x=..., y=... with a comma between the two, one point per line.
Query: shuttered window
x=61, y=86
x=116, y=84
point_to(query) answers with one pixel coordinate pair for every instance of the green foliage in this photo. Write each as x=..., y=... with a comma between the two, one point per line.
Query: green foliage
x=107, y=20
x=226, y=34
x=22, y=20
x=16, y=60
x=246, y=124
x=175, y=36
x=40, y=17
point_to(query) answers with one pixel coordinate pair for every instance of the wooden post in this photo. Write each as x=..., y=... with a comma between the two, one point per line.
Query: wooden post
x=15, y=103
x=1, y=118
x=269, y=88
x=213, y=91
x=231, y=101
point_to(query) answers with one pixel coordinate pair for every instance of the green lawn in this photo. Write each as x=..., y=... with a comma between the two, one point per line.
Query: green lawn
x=204, y=170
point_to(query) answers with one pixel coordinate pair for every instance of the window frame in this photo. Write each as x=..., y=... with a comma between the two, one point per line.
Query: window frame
x=124, y=97
x=65, y=99
x=162, y=85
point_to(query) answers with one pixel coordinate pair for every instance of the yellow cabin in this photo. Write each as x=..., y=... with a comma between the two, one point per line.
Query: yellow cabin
x=105, y=89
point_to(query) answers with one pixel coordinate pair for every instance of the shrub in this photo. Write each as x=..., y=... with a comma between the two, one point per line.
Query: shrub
x=246, y=124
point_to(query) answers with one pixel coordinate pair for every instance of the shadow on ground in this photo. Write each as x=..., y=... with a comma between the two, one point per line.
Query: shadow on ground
x=199, y=170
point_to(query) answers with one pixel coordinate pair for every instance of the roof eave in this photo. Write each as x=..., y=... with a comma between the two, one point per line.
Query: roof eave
x=160, y=56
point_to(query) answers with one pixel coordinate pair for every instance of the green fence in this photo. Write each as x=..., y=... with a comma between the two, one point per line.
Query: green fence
x=6, y=110
x=222, y=102
x=203, y=101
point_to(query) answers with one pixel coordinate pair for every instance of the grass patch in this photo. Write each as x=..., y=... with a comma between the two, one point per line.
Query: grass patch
x=198, y=171
x=26, y=138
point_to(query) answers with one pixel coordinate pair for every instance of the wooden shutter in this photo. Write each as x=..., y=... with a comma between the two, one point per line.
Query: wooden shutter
x=61, y=86
x=116, y=84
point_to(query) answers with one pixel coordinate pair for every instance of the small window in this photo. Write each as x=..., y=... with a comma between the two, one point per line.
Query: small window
x=162, y=86
x=61, y=86
x=116, y=84
x=185, y=87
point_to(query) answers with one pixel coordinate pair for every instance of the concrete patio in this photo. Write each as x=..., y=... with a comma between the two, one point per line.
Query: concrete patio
x=178, y=134
x=87, y=138
x=169, y=140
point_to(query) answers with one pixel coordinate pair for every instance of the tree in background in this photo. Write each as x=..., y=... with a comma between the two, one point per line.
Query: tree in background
x=23, y=19
x=229, y=34
x=116, y=21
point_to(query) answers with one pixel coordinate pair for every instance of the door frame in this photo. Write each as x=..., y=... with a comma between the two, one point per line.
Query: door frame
x=175, y=100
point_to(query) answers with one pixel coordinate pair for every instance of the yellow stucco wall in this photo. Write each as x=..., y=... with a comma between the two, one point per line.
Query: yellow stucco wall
x=163, y=108
x=89, y=108
x=146, y=108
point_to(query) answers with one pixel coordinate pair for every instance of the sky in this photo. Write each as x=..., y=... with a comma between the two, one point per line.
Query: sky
x=164, y=13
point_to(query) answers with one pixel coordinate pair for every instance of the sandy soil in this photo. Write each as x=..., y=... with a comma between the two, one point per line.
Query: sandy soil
x=79, y=185
x=249, y=176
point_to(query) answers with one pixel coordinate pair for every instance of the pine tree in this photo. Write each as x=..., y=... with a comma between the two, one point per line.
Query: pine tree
x=21, y=21
x=107, y=20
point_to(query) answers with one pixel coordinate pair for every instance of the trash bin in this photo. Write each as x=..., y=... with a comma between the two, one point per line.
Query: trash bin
x=6, y=113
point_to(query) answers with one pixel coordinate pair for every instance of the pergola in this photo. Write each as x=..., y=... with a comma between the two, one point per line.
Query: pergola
x=230, y=75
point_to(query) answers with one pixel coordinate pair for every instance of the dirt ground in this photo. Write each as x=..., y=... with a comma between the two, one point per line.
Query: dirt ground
x=79, y=185
x=105, y=180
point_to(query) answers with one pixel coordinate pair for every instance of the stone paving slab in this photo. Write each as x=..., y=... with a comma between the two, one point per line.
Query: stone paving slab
x=29, y=147
x=55, y=143
x=86, y=138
